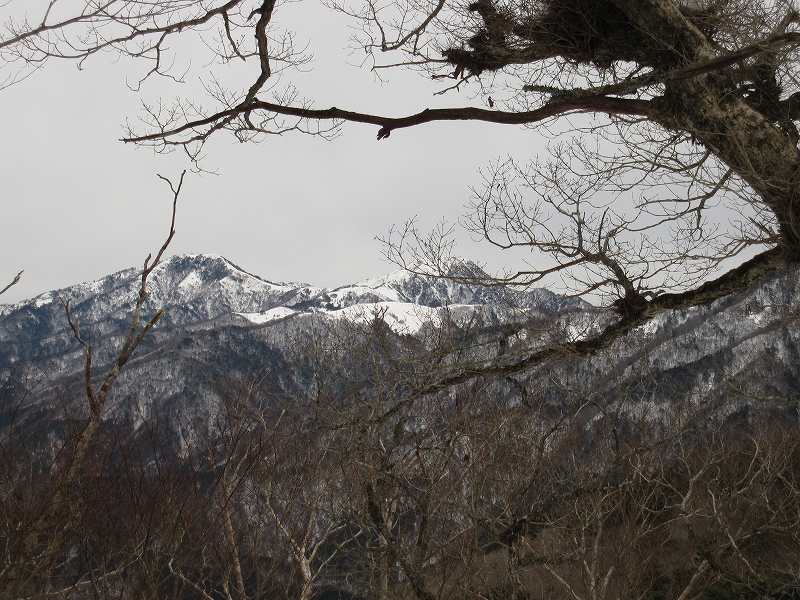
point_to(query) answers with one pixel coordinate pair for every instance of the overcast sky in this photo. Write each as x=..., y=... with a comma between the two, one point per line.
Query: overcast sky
x=78, y=204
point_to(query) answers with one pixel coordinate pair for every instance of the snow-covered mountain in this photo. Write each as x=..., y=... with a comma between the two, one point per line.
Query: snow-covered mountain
x=198, y=290
x=224, y=323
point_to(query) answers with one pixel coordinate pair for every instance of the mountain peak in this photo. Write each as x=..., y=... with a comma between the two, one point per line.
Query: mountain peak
x=214, y=267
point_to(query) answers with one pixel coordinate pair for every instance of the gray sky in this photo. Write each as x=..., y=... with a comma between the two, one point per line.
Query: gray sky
x=78, y=204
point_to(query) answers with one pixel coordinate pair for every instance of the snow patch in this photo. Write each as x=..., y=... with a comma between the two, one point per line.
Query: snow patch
x=576, y=333
x=354, y=292
x=191, y=282
x=273, y=314
x=402, y=317
x=44, y=299
x=651, y=327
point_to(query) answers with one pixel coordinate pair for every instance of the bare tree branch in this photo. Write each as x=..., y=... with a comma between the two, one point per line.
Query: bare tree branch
x=14, y=282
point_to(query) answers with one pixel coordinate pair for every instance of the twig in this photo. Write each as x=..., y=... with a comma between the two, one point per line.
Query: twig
x=14, y=282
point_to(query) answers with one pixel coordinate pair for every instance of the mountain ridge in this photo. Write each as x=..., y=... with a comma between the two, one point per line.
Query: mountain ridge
x=224, y=323
x=183, y=279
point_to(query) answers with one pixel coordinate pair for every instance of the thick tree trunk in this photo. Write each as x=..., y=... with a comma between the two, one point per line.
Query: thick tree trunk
x=662, y=22
x=230, y=536
x=757, y=150
x=382, y=576
x=307, y=575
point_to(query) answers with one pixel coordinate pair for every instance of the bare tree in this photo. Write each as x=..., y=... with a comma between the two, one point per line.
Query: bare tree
x=667, y=525
x=300, y=501
x=477, y=492
x=40, y=544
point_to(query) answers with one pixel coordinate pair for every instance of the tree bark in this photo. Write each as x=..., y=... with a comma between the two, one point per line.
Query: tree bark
x=756, y=149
